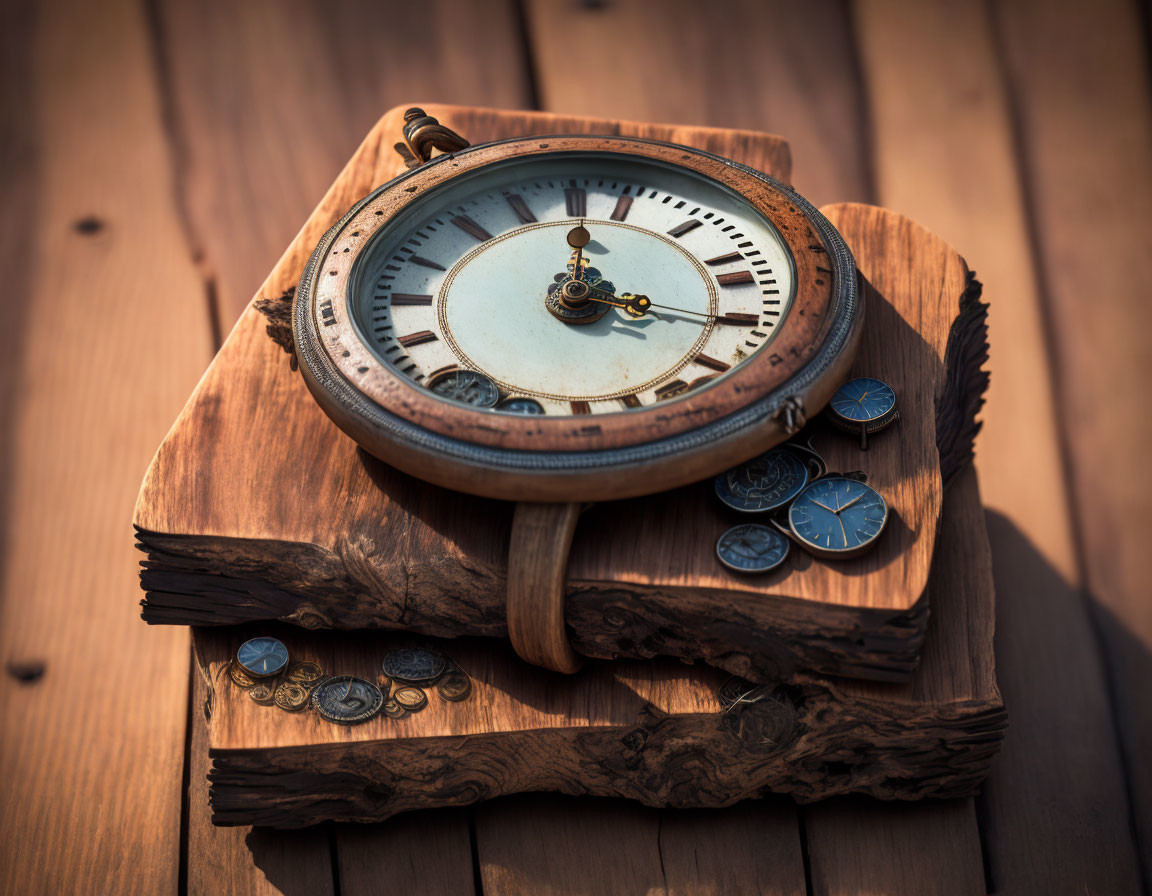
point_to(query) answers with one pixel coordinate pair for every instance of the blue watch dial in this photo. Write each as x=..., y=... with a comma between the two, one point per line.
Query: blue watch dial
x=863, y=400
x=837, y=516
x=262, y=657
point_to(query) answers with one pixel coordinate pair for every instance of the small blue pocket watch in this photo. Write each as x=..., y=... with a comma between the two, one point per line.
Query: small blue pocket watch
x=837, y=517
x=865, y=405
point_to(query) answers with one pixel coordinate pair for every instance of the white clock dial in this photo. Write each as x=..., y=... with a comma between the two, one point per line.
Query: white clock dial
x=471, y=292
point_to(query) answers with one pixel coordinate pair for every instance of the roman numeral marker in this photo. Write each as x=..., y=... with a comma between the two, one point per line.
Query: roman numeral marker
x=580, y=407
x=407, y=298
x=576, y=201
x=735, y=279
x=520, y=207
x=417, y=338
x=711, y=363
x=680, y=229
x=630, y=401
x=424, y=262
x=623, y=206
x=724, y=259
x=735, y=319
x=471, y=228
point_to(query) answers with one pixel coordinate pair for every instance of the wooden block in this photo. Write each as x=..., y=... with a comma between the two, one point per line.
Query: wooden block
x=307, y=529
x=649, y=731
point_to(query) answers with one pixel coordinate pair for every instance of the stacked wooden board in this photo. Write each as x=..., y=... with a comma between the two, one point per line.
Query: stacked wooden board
x=257, y=509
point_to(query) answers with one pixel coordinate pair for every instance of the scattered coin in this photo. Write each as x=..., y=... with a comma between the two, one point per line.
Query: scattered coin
x=291, y=696
x=764, y=483
x=304, y=673
x=752, y=548
x=239, y=677
x=262, y=657
x=262, y=693
x=415, y=665
x=346, y=699
x=454, y=686
x=394, y=710
x=411, y=699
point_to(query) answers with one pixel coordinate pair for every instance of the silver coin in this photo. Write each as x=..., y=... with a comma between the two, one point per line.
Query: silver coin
x=764, y=483
x=347, y=700
x=414, y=664
x=752, y=548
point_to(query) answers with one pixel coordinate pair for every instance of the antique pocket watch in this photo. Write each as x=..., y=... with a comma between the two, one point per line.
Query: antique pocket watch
x=573, y=317
x=562, y=319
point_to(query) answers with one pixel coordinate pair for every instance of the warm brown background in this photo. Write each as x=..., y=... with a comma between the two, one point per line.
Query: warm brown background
x=155, y=158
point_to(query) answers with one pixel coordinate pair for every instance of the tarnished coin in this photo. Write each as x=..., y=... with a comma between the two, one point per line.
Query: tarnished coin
x=417, y=665
x=394, y=710
x=291, y=696
x=304, y=673
x=262, y=693
x=346, y=699
x=262, y=657
x=763, y=483
x=239, y=677
x=752, y=548
x=411, y=699
x=454, y=685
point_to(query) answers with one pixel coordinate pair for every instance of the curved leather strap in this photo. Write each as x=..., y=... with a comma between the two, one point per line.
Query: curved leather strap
x=537, y=561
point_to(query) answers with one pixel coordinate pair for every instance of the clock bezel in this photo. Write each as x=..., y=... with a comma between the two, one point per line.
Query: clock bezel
x=400, y=422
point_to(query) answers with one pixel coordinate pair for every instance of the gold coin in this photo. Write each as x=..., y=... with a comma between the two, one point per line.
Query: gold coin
x=411, y=698
x=394, y=710
x=291, y=696
x=304, y=673
x=239, y=677
x=455, y=686
x=262, y=693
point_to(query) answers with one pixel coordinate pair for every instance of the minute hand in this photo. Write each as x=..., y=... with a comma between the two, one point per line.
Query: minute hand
x=637, y=310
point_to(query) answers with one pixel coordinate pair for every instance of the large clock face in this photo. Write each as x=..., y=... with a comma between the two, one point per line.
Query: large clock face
x=586, y=283
x=576, y=317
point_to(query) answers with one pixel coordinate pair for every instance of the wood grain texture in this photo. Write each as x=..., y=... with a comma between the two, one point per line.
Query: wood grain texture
x=244, y=861
x=782, y=67
x=91, y=747
x=549, y=845
x=429, y=853
x=651, y=732
x=856, y=846
x=223, y=548
x=269, y=98
x=1057, y=790
x=1078, y=78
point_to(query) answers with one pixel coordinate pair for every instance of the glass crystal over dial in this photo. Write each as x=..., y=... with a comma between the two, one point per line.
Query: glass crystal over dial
x=571, y=284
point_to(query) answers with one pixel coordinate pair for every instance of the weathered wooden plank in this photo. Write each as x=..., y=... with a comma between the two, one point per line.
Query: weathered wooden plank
x=1078, y=78
x=429, y=853
x=244, y=861
x=786, y=68
x=109, y=330
x=1054, y=807
x=270, y=99
x=856, y=846
x=546, y=845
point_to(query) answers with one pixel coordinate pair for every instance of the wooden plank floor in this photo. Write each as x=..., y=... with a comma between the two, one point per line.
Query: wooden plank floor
x=157, y=156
